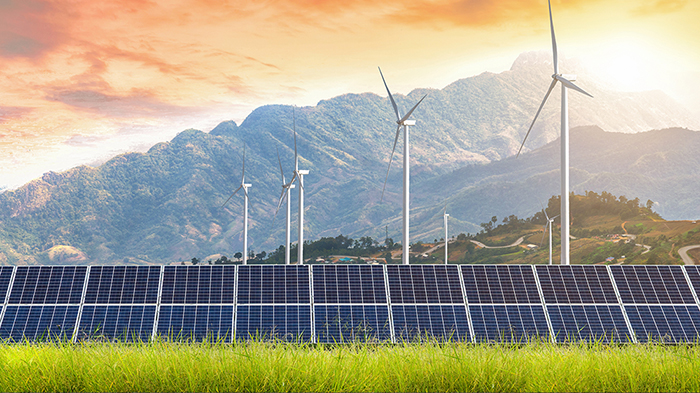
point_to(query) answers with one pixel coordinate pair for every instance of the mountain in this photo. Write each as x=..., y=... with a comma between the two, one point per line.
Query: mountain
x=165, y=205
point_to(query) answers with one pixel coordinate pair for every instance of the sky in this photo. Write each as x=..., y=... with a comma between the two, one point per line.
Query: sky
x=84, y=80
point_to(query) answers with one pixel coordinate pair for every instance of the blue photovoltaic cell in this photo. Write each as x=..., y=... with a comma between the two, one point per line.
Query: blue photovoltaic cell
x=117, y=323
x=5, y=276
x=652, y=285
x=431, y=322
x=266, y=322
x=694, y=276
x=666, y=324
x=508, y=323
x=349, y=284
x=198, y=285
x=39, y=323
x=498, y=284
x=270, y=284
x=576, y=284
x=197, y=323
x=424, y=284
x=48, y=285
x=594, y=323
x=356, y=323
x=123, y=284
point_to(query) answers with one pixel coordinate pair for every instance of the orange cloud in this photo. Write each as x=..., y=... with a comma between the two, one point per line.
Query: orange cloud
x=660, y=7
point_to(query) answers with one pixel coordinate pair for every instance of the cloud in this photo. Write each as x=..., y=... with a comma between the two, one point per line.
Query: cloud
x=8, y=113
x=28, y=28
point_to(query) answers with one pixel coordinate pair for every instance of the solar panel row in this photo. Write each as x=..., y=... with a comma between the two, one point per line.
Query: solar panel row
x=335, y=304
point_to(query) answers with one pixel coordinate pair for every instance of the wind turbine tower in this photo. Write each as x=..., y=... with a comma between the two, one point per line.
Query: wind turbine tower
x=548, y=224
x=445, y=216
x=245, y=186
x=285, y=193
x=405, y=122
x=566, y=83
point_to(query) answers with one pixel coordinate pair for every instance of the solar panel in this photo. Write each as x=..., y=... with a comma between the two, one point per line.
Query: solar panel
x=48, y=285
x=424, y=284
x=498, y=284
x=123, y=284
x=198, y=285
x=694, y=276
x=431, y=322
x=508, y=323
x=352, y=323
x=39, y=323
x=576, y=284
x=196, y=323
x=266, y=322
x=273, y=284
x=349, y=284
x=665, y=324
x=652, y=285
x=5, y=277
x=594, y=323
x=116, y=323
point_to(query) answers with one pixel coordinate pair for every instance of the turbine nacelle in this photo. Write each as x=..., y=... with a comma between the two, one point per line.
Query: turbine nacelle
x=406, y=123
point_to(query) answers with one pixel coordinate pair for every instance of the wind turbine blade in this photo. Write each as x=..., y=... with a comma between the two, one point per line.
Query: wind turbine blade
x=280, y=162
x=551, y=87
x=544, y=232
x=554, y=40
x=571, y=85
x=393, y=103
x=412, y=109
x=282, y=196
x=544, y=211
x=234, y=193
x=391, y=157
x=296, y=158
x=243, y=173
x=554, y=218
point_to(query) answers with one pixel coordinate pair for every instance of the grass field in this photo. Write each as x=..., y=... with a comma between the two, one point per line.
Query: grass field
x=289, y=367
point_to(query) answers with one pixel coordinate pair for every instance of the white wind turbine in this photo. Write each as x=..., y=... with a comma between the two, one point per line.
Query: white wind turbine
x=402, y=121
x=245, y=187
x=285, y=193
x=566, y=83
x=548, y=224
x=297, y=174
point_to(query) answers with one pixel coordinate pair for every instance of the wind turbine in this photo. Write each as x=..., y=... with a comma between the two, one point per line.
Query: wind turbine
x=445, y=216
x=548, y=223
x=285, y=193
x=402, y=121
x=566, y=83
x=245, y=186
x=297, y=174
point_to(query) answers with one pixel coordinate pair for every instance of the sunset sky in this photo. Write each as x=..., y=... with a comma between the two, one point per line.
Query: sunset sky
x=82, y=81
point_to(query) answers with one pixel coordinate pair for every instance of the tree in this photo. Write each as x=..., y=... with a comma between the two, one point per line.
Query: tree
x=260, y=256
x=462, y=237
x=387, y=256
x=649, y=204
x=238, y=255
x=195, y=261
x=389, y=243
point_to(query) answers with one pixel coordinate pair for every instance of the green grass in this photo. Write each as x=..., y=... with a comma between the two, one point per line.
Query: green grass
x=291, y=367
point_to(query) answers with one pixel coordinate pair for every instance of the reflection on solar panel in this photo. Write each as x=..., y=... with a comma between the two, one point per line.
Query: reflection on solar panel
x=38, y=323
x=123, y=284
x=576, y=284
x=431, y=322
x=349, y=284
x=117, y=323
x=500, y=284
x=593, y=323
x=273, y=284
x=424, y=284
x=48, y=285
x=198, y=285
x=665, y=324
x=347, y=303
x=284, y=322
x=652, y=285
x=197, y=323
x=352, y=323
x=508, y=323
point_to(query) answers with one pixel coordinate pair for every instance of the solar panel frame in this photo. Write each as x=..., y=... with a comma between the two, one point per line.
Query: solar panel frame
x=576, y=284
x=516, y=283
x=334, y=284
x=123, y=285
x=643, y=284
x=198, y=284
x=692, y=275
x=284, y=287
